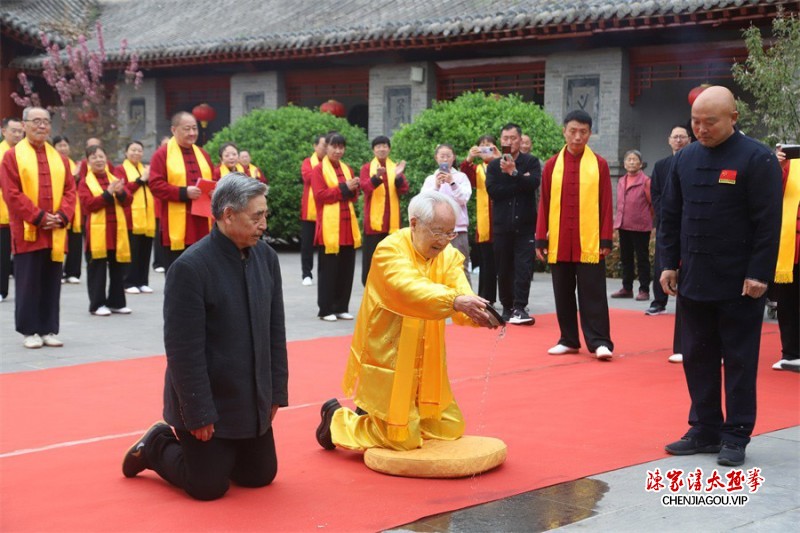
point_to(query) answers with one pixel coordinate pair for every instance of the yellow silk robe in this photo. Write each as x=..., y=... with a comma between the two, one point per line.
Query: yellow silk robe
x=402, y=319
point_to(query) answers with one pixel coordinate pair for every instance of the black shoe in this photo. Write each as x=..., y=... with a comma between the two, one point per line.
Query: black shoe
x=731, y=455
x=655, y=309
x=135, y=460
x=521, y=318
x=507, y=314
x=324, y=429
x=690, y=446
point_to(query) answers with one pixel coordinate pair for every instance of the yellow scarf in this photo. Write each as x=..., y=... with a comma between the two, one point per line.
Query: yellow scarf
x=143, y=212
x=76, y=225
x=253, y=171
x=588, y=207
x=483, y=230
x=791, y=201
x=28, y=167
x=223, y=169
x=4, y=147
x=331, y=212
x=311, y=206
x=176, y=175
x=378, y=205
x=97, y=224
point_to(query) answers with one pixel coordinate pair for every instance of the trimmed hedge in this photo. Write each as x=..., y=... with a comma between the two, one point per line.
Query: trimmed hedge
x=278, y=141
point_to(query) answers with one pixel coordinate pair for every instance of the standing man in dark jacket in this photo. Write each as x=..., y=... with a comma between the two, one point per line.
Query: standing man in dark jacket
x=720, y=222
x=512, y=181
x=227, y=369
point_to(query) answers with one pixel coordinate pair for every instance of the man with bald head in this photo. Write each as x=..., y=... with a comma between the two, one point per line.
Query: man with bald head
x=175, y=169
x=720, y=223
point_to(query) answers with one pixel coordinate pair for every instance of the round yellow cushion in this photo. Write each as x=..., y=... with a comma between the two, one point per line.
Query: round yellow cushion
x=464, y=457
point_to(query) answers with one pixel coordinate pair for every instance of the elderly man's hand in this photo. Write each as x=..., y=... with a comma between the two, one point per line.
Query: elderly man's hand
x=193, y=193
x=475, y=308
x=669, y=282
x=204, y=433
x=753, y=288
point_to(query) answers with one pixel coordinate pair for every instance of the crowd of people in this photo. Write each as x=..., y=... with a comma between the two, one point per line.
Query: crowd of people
x=726, y=228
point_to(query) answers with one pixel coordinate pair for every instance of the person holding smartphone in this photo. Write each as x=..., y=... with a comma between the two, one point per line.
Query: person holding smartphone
x=455, y=184
x=512, y=181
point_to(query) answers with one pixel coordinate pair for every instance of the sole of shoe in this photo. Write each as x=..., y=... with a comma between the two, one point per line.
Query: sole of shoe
x=604, y=357
x=655, y=312
x=552, y=351
x=325, y=422
x=723, y=461
x=708, y=448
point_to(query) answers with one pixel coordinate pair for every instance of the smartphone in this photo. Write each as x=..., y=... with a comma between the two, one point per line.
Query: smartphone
x=444, y=167
x=506, y=149
x=792, y=151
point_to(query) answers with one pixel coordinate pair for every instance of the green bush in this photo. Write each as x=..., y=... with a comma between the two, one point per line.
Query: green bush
x=278, y=141
x=460, y=122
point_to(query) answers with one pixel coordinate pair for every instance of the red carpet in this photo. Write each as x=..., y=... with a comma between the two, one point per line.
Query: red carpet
x=563, y=418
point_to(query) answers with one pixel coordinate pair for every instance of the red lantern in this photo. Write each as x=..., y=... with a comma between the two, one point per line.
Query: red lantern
x=333, y=107
x=204, y=113
x=87, y=115
x=694, y=93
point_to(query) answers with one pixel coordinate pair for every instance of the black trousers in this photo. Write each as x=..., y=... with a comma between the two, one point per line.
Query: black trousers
x=659, y=296
x=788, y=295
x=72, y=264
x=513, y=256
x=590, y=281
x=158, y=247
x=487, y=278
x=96, y=281
x=335, y=280
x=729, y=330
x=37, y=287
x=205, y=469
x=5, y=260
x=638, y=243
x=138, y=272
x=307, y=231
x=676, y=334
x=368, y=246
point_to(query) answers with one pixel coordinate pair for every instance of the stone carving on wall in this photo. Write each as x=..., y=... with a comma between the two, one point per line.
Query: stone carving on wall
x=584, y=93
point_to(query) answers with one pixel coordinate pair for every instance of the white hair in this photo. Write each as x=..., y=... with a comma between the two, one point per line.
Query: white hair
x=235, y=190
x=28, y=109
x=423, y=206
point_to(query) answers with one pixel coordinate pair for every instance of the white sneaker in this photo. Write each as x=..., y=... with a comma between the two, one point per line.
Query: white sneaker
x=160, y=270
x=121, y=310
x=329, y=318
x=1, y=298
x=51, y=340
x=676, y=358
x=560, y=349
x=102, y=311
x=777, y=366
x=73, y=280
x=345, y=316
x=793, y=365
x=308, y=282
x=32, y=341
x=133, y=290
x=144, y=289
x=603, y=353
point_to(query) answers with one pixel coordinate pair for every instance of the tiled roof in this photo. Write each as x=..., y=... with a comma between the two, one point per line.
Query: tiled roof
x=173, y=32
x=27, y=18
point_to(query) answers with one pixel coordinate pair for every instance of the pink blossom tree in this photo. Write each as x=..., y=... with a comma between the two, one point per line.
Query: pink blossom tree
x=86, y=91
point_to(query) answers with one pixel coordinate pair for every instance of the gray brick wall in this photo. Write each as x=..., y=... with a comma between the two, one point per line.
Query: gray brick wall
x=266, y=85
x=391, y=76
x=149, y=133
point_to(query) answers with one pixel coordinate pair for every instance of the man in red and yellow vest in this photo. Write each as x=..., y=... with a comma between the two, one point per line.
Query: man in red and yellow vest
x=383, y=183
x=308, y=210
x=40, y=194
x=175, y=170
x=13, y=133
x=786, y=283
x=574, y=232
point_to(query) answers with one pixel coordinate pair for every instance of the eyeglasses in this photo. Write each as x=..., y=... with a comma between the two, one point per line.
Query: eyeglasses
x=40, y=121
x=678, y=137
x=440, y=236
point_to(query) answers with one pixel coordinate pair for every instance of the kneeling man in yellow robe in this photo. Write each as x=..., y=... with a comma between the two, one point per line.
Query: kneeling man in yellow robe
x=397, y=370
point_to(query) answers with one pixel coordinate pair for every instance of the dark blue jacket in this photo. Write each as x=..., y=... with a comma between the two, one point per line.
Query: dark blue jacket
x=225, y=338
x=720, y=217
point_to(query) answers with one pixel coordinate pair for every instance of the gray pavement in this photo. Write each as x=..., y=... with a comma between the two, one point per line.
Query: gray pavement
x=613, y=501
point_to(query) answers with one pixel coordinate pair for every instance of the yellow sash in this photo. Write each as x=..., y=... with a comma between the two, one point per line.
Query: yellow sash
x=378, y=205
x=4, y=147
x=253, y=172
x=588, y=207
x=28, y=168
x=311, y=209
x=97, y=224
x=223, y=169
x=143, y=211
x=483, y=230
x=791, y=201
x=176, y=175
x=331, y=212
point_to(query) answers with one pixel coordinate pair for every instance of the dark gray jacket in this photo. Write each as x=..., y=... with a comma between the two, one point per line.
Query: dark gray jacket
x=225, y=338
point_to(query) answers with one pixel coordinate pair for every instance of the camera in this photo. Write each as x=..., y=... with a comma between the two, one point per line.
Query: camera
x=485, y=150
